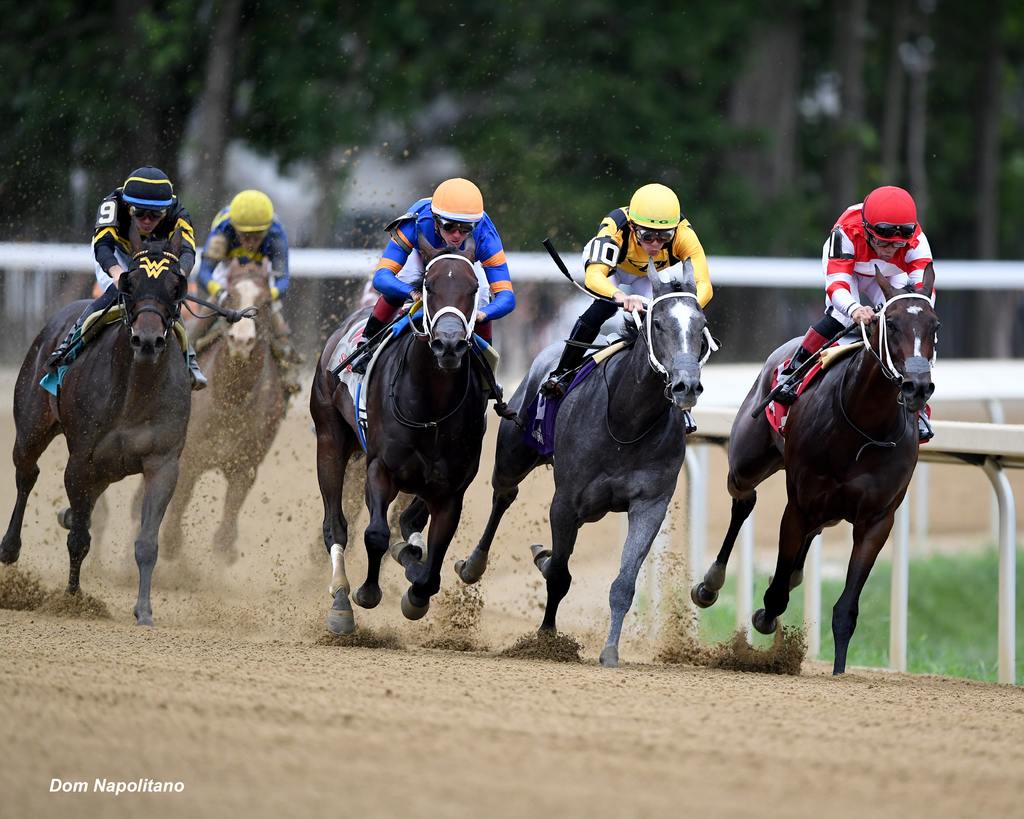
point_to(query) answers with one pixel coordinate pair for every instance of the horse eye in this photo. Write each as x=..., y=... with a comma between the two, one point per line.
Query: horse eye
x=657, y=323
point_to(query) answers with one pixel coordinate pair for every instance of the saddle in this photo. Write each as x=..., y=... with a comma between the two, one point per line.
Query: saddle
x=539, y=429
x=100, y=320
x=777, y=413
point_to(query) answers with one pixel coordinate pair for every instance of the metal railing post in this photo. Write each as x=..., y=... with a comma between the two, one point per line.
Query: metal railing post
x=1007, y=569
x=900, y=589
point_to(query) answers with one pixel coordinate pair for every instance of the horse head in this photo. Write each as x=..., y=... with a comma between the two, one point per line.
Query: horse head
x=151, y=292
x=906, y=336
x=675, y=329
x=449, y=301
x=247, y=286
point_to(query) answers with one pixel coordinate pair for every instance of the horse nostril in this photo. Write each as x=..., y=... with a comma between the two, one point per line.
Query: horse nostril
x=136, y=341
x=928, y=392
x=437, y=347
x=160, y=343
x=461, y=346
x=700, y=388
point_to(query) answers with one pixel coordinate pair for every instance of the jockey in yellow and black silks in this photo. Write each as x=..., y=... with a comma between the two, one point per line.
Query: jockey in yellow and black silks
x=652, y=228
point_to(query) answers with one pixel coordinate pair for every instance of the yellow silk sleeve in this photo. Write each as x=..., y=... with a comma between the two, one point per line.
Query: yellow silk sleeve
x=598, y=274
x=686, y=245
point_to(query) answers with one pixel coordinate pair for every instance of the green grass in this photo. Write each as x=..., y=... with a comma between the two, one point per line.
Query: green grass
x=952, y=619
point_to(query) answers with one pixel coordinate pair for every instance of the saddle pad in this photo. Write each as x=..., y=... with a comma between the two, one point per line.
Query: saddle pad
x=539, y=430
x=776, y=412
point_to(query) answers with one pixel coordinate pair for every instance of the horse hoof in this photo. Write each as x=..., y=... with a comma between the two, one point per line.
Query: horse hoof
x=410, y=610
x=64, y=517
x=702, y=596
x=367, y=596
x=405, y=554
x=470, y=570
x=145, y=619
x=9, y=550
x=340, y=619
x=796, y=579
x=610, y=657
x=541, y=557
x=715, y=577
x=762, y=624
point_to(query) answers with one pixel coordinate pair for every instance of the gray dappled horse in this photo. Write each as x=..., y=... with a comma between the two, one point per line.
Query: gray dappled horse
x=620, y=441
x=235, y=421
x=425, y=419
x=123, y=408
x=850, y=450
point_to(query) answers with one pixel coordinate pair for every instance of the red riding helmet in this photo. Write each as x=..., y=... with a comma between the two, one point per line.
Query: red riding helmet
x=890, y=213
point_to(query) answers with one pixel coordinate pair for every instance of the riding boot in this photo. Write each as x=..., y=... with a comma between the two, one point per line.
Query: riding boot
x=373, y=326
x=924, y=429
x=572, y=357
x=56, y=358
x=688, y=422
x=199, y=381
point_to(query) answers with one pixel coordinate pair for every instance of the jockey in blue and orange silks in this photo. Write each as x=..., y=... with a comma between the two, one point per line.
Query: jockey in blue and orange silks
x=448, y=218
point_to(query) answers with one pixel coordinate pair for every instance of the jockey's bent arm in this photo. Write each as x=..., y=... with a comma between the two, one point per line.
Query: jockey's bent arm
x=491, y=254
x=396, y=254
x=276, y=245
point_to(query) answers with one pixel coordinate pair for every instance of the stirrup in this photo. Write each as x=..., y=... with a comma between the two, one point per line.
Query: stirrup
x=555, y=387
x=688, y=422
x=786, y=395
x=196, y=375
x=924, y=429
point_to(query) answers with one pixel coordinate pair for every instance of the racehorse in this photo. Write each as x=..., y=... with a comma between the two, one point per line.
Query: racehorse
x=425, y=426
x=620, y=442
x=234, y=423
x=849, y=452
x=123, y=408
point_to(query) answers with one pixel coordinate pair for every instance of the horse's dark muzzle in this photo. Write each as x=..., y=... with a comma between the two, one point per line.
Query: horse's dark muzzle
x=917, y=386
x=148, y=345
x=449, y=349
x=686, y=386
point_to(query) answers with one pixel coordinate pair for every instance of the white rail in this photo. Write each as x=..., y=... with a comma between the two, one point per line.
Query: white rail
x=994, y=447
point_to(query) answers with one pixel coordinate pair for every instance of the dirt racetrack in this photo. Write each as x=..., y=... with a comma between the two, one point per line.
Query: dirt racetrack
x=235, y=694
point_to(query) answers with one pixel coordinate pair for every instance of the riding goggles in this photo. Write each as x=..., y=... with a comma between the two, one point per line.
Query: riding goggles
x=887, y=230
x=147, y=213
x=653, y=235
x=450, y=227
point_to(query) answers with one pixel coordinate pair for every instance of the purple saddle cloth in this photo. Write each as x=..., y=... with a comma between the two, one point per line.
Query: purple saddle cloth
x=539, y=431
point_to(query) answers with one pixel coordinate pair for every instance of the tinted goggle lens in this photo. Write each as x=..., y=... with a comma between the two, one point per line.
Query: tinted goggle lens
x=148, y=213
x=889, y=231
x=451, y=227
x=652, y=235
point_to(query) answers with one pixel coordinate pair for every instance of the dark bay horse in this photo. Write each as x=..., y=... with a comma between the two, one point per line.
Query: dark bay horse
x=850, y=450
x=123, y=408
x=425, y=411
x=235, y=421
x=620, y=445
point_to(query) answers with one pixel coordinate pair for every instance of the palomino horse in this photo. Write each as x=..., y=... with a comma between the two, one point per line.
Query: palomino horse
x=233, y=423
x=620, y=442
x=850, y=449
x=425, y=411
x=123, y=407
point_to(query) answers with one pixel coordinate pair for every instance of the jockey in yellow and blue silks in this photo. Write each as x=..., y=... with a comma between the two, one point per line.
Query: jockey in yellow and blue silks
x=448, y=218
x=248, y=232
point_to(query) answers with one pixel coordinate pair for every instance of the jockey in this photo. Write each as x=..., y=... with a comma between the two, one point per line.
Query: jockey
x=881, y=232
x=146, y=199
x=453, y=214
x=247, y=232
x=651, y=228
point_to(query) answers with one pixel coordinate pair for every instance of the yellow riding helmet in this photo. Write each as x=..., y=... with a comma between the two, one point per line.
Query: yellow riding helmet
x=654, y=206
x=458, y=200
x=251, y=212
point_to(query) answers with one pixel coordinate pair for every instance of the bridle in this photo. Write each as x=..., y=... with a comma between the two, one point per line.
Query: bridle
x=887, y=365
x=430, y=319
x=645, y=326
x=127, y=300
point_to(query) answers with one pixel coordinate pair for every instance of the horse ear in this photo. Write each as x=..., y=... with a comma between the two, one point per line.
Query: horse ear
x=175, y=243
x=928, y=284
x=427, y=250
x=134, y=238
x=689, y=277
x=470, y=250
x=883, y=283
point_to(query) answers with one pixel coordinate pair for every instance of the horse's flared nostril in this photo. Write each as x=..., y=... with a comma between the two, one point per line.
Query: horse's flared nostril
x=437, y=347
x=160, y=343
x=136, y=341
x=461, y=346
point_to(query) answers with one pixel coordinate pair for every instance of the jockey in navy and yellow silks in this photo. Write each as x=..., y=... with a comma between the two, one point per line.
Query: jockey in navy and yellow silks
x=248, y=233
x=449, y=217
x=146, y=199
x=651, y=228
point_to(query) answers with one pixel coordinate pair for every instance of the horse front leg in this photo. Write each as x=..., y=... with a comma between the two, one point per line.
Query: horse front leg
x=705, y=593
x=645, y=519
x=160, y=476
x=565, y=527
x=83, y=489
x=868, y=539
x=473, y=567
x=792, y=536
x=426, y=579
x=380, y=492
x=239, y=485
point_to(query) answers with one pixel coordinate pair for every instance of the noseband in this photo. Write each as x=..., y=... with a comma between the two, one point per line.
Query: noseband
x=430, y=319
